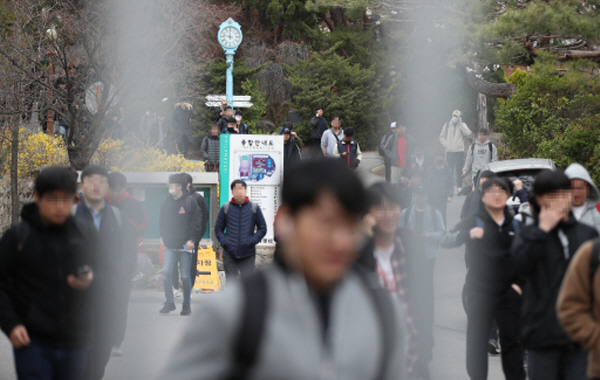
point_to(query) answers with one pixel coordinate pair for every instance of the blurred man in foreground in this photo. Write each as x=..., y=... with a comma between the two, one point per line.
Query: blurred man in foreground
x=310, y=315
x=45, y=272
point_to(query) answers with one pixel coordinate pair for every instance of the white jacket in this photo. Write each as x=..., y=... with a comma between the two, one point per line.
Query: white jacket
x=452, y=136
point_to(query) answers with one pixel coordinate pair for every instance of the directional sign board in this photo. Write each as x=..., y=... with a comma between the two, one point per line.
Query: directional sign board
x=238, y=101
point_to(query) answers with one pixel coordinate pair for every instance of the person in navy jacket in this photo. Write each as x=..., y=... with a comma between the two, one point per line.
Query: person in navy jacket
x=239, y=228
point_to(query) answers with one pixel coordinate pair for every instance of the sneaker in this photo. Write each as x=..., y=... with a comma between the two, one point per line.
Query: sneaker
x=116, y=351
x=493, y=347
x=177, y=293
x=167, y=307
x=186, y=309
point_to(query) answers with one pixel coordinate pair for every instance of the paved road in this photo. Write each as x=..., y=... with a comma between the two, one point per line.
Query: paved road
x=150, y=336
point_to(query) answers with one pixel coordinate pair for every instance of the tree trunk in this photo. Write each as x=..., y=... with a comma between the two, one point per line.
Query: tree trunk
x=14, y=174
x=579, y=54
x=495, y=90
x=482, y=111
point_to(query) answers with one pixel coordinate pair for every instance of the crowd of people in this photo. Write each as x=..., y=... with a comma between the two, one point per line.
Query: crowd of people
x=351, y=291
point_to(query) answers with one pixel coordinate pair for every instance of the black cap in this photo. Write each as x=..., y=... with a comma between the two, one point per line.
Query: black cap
x=285, y=130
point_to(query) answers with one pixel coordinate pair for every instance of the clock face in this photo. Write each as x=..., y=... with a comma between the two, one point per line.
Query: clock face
x=230, y=37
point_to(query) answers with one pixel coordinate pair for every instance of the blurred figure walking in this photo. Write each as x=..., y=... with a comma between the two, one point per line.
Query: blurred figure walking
x=452, y=139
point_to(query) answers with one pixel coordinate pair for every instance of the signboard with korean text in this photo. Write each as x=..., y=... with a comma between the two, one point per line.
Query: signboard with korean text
x=258, y=161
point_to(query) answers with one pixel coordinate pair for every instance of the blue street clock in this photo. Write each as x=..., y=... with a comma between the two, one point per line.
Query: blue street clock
x=230, y=37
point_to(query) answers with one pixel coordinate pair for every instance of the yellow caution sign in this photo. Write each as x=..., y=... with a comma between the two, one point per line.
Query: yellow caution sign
x=207, y=277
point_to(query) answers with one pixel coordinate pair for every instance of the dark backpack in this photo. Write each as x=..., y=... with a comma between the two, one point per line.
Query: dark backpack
x=250, y=332
x=382, y=143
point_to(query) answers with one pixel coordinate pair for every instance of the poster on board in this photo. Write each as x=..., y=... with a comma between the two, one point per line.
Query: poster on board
x=258, y=161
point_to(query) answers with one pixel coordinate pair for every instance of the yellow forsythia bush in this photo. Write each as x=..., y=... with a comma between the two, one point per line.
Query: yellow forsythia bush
x=117, y=155
x=36, y=150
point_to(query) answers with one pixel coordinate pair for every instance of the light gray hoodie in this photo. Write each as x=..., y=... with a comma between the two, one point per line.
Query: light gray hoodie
x=590, y=216
x=479, y=155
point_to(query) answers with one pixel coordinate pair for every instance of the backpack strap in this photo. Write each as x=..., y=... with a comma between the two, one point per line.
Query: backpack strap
x=226, y=208
x=386, y=315
x=490, y=147
x=249, y=336
x=473, y=148
x=22, y=232
x=594, y=263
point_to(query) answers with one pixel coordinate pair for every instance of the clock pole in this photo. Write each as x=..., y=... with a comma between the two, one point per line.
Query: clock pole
x=229, y=83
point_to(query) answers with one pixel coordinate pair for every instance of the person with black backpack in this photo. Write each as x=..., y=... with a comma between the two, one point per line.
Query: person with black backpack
x=480, y=153
x=240, y=226
x=45, y=276
x=541, y=253
x=199, y=198
x=179, y=224
x=312, y=314
x=578, y=303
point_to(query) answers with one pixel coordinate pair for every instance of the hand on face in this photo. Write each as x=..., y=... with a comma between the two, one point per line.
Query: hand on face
x=554, y=207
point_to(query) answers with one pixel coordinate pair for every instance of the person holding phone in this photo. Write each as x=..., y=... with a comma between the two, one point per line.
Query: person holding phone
x=452, y=139
x=45, y=275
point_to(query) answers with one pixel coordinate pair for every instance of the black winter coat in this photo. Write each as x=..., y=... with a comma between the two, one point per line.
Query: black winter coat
x=33, y=280
x=240, y=230
x=180, y=221
x=491, y=269
x=542, y=261
x=291, y=153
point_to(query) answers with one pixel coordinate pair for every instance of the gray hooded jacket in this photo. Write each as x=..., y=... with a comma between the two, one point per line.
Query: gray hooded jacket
x=292, y=346
x=479, y=155
x=590, y=216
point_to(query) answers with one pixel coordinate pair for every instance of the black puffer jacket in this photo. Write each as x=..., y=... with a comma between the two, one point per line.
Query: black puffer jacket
x=542, y=260
x=35, y=260
x=240, y=230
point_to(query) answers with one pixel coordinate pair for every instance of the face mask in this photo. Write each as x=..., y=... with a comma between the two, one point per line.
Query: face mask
x=172, y=191
x=454, y=119
x=238, y=118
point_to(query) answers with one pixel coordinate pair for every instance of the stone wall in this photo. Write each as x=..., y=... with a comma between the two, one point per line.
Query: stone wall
x=25, y=196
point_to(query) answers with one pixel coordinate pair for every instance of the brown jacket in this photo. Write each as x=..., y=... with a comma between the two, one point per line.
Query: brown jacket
x=577, y=312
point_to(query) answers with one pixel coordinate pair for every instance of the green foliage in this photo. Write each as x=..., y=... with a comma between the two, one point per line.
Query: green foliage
x=518, y=78
x=341, y=87
x=554, y=117
x=253, y=114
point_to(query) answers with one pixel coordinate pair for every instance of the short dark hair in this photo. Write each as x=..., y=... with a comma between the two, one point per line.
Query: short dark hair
x=498, y=182
x=487, y=174
x=548, y=181
x=238, y=112
x=485, y=131
x=231, y=120
x=318, y=108
x=117, y=179
x=335, y=117
x=349, y=132
x=380, y=191
x=310, y=178
x=178, y=178
x=188, y=178
x=55, y=179
x=238, y=181
x=93, y=170
x=288, y=124
x=227, y=108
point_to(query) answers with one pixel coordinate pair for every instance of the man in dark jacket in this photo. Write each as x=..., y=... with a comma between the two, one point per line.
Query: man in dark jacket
x=227, y=114
x=45, y=269
x=182, y=128
x=440, y=185
x=114, y=265
x=239, y=228
x=211, y=147
x=319, y=126
x=136, y=217
x=179, y=226
x=542, y=252
x=491, y=282
x=291, y=151
x=199, y=198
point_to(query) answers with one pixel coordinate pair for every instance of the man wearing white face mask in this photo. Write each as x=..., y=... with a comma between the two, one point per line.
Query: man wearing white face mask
x=179, y=223
x=452, y=139
x=242, y=127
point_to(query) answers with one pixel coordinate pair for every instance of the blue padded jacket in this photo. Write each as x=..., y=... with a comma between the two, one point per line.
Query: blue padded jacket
x=240, y=230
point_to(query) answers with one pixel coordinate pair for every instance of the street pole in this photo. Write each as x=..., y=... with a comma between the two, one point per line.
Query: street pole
x=229, y=83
